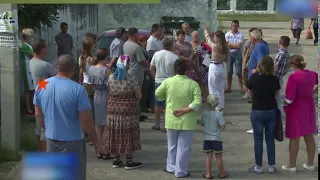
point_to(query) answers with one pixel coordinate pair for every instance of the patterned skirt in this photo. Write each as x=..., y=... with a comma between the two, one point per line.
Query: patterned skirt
x=204, y=70
x=122, y=135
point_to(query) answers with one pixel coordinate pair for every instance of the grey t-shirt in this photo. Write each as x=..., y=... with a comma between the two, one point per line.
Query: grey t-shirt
x=65, y=44
x=41, y=69
x=297, y=23
x=116, y=48
x=135, y=52
x=249, y=45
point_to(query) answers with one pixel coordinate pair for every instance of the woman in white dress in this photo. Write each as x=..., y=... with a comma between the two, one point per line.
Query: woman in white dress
x=26, y=53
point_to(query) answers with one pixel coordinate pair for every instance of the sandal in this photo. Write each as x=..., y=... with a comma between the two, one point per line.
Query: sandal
x=204, y=176
x=156, y=127
x=252, y=170
x=99, y=156
x=107, y=157
x=223, y=177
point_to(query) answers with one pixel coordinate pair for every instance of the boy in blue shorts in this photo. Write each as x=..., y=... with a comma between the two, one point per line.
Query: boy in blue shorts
x=213, y=123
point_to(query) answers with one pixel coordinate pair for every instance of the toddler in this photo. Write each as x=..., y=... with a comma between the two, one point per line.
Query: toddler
x=213, y=123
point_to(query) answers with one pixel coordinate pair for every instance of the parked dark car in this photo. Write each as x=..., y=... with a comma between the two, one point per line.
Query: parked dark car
x=106, y=38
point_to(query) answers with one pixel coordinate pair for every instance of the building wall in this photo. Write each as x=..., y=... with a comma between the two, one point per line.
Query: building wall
x=99, y=18
x=143, y=16
x=81, y=19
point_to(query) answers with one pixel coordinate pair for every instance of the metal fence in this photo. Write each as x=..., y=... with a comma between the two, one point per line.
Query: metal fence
x=243, y=5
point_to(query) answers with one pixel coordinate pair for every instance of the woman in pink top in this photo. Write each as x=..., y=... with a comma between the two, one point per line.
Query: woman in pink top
x=300, y=112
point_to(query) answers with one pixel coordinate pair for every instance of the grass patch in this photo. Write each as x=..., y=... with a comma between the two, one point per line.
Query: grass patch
x=27, y=142
x=253, y=17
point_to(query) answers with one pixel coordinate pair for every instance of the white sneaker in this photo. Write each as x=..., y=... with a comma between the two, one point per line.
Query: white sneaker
x=246, y=96
x=250, y=131
x=292, y=170
x=310, y=168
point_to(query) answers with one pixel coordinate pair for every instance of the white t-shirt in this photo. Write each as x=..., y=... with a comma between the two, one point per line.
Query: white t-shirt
x=187, y=38
x=154, y=44
x=163, y=61
x=85, y=75
x=234, y=39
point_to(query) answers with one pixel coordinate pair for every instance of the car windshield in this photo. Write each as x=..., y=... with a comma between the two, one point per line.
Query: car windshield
x=104, y=42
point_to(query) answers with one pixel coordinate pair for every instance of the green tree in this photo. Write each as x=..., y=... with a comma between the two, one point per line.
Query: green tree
x=35, y=15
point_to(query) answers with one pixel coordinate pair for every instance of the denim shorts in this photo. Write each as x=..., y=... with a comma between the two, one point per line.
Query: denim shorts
x=212, y=146
x=156, y=102
x=236, y=59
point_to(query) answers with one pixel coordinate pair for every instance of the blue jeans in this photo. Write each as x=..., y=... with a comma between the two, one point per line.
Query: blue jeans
x=236, y=59
x=264, y=120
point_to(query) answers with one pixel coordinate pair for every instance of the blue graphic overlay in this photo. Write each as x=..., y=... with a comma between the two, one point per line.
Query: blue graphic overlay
x=50, y=166
x=297, y=8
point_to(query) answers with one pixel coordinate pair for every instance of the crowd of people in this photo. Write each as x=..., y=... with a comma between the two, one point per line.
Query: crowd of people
x=103, y=108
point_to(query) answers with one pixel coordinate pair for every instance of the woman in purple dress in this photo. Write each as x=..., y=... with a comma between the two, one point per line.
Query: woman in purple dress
x=300, y=112
x=185, y=52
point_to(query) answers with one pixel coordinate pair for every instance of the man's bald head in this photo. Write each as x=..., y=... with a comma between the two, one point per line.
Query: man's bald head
x=65, y=64
x=102, y=54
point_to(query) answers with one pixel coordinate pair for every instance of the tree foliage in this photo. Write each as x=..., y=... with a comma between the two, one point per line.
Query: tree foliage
x=35, y=15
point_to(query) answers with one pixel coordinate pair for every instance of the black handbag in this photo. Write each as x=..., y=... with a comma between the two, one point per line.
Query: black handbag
x=279, y=127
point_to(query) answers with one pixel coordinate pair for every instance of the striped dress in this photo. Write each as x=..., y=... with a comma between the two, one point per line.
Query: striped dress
x=26, y=52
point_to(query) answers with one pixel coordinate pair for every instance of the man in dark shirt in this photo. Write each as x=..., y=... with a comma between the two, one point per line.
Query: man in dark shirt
x=314, y=21
x=64, y=41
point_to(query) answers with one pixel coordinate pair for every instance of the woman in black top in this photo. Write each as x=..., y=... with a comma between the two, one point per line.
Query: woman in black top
x=263, y=87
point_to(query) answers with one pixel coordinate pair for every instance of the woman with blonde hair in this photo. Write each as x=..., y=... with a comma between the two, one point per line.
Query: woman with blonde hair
x=86, y=60
x=300, y=112
x=26, y=53
x=263, y=87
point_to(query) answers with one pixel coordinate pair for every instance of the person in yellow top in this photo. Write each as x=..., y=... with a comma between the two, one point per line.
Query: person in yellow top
x=183, y=100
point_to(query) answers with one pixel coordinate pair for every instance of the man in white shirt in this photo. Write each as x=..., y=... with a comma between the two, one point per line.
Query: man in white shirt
x=234, y=39
x=161, y=68
x=154, y=43
x=186, y=28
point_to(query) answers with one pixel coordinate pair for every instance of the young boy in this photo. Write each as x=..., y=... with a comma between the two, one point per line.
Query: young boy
x=213, y=123
x=281, y=63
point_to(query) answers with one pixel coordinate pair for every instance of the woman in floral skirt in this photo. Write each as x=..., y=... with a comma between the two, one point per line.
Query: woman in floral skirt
x=123, y=132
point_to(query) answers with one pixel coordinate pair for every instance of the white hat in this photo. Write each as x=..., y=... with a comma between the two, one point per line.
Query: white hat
x=212, y=100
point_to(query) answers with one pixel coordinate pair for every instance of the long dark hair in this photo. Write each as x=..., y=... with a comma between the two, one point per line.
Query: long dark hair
x=222, y=45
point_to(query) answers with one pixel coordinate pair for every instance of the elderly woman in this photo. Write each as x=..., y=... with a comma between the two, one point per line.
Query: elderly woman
x=123, y=132
x=200, y=52
x=183, y=99
x=185, y=52
x=26, y=53
x=263, y=86
x=300, y=112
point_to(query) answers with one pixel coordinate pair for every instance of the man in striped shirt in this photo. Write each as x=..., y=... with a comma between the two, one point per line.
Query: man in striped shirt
x=281, y=62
